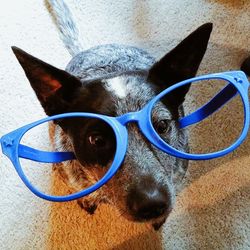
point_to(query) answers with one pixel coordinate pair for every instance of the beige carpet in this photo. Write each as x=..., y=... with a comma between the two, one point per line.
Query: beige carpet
x=212, y=210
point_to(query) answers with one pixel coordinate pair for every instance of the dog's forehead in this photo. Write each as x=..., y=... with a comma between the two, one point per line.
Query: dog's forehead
x=116, y=77
x=117, y=86
x=129, y=93
x=127, y=86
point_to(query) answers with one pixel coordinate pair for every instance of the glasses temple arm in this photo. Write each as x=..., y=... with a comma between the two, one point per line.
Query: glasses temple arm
x=43, y=156
x=209, y=108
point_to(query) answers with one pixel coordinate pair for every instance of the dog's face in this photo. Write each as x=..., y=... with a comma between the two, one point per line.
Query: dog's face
x=144, y=187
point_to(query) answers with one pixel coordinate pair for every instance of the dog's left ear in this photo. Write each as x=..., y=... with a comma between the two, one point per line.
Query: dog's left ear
x=54, y=88
x=181, y=63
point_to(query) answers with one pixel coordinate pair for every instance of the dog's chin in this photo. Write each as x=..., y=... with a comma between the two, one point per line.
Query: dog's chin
x=155, y=223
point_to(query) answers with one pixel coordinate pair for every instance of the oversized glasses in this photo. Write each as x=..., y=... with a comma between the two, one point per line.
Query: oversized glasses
x=25, y=155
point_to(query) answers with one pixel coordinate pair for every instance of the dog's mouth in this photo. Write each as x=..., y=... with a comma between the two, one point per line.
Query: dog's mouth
x=152, y=215
x=156, y=223
x=152, y=218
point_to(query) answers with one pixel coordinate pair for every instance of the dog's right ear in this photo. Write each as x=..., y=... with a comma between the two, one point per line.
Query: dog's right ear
x=54, y=87
x=181, y=63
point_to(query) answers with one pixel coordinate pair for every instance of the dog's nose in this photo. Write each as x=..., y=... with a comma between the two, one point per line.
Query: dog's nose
x=148, y=201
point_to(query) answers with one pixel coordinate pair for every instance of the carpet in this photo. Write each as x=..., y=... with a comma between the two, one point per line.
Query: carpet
x=213, y=208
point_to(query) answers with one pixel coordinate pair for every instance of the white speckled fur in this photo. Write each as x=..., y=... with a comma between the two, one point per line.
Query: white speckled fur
x=123, y=71
x=117, y=86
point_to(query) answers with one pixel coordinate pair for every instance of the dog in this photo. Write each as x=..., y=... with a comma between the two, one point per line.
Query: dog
x=114, y=79
x=245, y=66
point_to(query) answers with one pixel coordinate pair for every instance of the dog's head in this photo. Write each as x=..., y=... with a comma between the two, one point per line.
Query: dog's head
x=144, y=187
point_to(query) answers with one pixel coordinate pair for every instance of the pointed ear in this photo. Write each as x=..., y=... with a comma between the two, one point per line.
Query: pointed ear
x=181, y=63
x=53, y=87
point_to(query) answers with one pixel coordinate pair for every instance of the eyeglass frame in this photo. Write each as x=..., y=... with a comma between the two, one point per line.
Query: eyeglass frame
x=11, y=147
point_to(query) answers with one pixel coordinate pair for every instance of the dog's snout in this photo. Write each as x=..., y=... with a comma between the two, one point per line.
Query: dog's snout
x=149, y=201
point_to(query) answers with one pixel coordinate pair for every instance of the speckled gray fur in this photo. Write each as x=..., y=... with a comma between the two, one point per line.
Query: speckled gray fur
x=142, y=159
x=66, y=25
x=106, y=60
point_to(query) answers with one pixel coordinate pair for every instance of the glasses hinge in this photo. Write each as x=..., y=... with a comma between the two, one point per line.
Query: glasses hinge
x=7, y=142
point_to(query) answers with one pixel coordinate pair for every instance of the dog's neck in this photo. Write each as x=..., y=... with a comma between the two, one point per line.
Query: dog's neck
x=102, y=63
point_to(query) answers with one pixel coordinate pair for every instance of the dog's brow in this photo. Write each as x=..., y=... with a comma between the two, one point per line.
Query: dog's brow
x=160, y=111
x=117, y=86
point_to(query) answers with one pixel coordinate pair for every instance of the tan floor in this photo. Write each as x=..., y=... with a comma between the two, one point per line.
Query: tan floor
x=213, y=209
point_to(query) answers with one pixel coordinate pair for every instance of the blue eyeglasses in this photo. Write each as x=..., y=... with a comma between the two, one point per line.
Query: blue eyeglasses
x=235, y=84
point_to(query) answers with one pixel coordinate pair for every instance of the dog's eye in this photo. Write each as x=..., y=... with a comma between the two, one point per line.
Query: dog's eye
x=97, y=140
x=162, y=126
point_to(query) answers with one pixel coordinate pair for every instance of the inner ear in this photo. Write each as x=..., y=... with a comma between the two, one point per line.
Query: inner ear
x=54, y=87
x=181, y=63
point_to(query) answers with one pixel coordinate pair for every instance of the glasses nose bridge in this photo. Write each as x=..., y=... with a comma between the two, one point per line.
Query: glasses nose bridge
x=129, y=117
